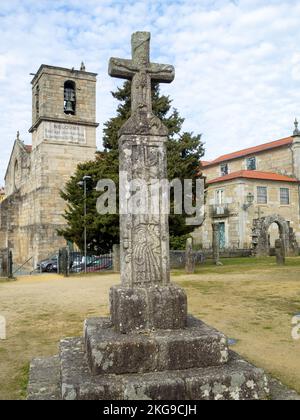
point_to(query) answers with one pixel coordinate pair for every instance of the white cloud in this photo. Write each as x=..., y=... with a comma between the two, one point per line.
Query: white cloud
x=2, y=67
x=237, y=62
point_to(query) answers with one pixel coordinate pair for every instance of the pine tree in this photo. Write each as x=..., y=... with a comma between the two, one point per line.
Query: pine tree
x=184, y=152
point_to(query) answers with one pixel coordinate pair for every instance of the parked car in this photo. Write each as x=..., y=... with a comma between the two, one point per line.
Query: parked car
x=94, y=264
x=49, y=265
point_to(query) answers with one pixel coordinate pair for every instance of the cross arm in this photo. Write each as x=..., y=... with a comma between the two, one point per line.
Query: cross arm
x=163, y=73
x=121, y=68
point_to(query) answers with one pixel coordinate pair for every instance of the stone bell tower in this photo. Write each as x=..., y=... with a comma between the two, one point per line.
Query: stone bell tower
x=63, y=135
x=64, y=109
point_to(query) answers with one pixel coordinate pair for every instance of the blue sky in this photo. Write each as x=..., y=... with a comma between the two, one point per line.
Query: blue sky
x=237, y=62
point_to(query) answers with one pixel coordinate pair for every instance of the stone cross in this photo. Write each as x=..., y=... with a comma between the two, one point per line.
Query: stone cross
x=141, y=71
x=146, y=298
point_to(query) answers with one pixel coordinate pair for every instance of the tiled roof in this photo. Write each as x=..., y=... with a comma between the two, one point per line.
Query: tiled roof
x=250, y=151
x=268, y=176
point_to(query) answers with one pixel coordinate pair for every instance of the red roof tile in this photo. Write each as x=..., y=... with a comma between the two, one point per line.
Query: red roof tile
x=268, y=176
x=252, y=150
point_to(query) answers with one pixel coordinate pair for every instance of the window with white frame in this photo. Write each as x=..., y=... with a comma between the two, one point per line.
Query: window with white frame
x=284, y=196
x=220, y=197
x=251, y=164
x=262, y=195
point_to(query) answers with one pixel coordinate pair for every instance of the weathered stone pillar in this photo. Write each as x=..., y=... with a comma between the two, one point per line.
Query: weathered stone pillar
x=280, y=252
x=63, y=262
x=6, y=263
x=294, y=246
x=189, y=257
x=216, y=244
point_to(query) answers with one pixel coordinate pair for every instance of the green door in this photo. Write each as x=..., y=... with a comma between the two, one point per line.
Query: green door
x=222, y=239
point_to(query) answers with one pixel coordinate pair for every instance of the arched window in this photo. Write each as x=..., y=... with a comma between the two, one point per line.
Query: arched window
x=70, y=98
x=16, y=175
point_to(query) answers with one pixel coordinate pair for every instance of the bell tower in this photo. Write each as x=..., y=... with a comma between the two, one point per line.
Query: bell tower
x=63, y=136
x=64, y=107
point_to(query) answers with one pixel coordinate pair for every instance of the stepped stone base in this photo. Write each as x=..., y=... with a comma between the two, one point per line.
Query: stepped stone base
x=237, y=380
x=45, y=382
x=189, y=364
x=111, y=352
x=45, y=379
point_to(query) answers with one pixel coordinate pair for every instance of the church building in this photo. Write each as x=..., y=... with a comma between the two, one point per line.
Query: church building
x=253, y=196
x=63, y=135
x=2, y=194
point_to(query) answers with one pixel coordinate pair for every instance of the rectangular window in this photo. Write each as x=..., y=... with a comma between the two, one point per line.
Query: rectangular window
x=251, y=164
x=284, y=196
x=224, y=169
x=220, y=197
x=262, y=195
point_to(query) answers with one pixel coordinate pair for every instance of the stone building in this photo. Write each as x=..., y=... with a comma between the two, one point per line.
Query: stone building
x=63, y=135
x=253, y=197
x=2, y=194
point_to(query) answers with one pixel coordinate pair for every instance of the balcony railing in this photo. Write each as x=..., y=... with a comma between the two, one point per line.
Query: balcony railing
x=219, y=210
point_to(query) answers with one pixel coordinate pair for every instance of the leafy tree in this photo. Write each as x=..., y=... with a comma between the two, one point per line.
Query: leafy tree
x=184, y=152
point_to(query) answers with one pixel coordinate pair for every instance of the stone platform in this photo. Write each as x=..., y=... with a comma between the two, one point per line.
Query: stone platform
x=110, y=352
x=190, y=364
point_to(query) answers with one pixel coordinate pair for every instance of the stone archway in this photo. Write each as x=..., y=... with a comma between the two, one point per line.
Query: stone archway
x=260, y=236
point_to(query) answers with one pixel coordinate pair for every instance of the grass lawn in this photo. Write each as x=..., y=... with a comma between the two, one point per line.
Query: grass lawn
x=250, y=300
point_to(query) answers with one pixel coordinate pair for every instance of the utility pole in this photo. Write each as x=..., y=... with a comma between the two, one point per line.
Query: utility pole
x=83, y=183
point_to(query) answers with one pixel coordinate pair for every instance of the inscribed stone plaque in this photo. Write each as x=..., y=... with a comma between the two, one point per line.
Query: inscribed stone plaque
x=65, y=132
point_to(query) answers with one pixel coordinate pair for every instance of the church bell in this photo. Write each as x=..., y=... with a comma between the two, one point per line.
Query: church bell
x=69, y=109
x=69, y=100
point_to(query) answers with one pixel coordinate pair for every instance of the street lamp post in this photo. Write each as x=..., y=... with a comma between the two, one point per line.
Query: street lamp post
x=83, y=183
x=249, y=201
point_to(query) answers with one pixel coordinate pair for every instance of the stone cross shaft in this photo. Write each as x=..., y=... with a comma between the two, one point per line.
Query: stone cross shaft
x=141, y=71
x=144, y=236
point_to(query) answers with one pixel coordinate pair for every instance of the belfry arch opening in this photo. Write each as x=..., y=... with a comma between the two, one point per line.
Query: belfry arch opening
x=70, y=97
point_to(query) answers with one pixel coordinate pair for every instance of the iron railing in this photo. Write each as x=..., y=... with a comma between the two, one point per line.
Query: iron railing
x=92, y=263
x=219, y=210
